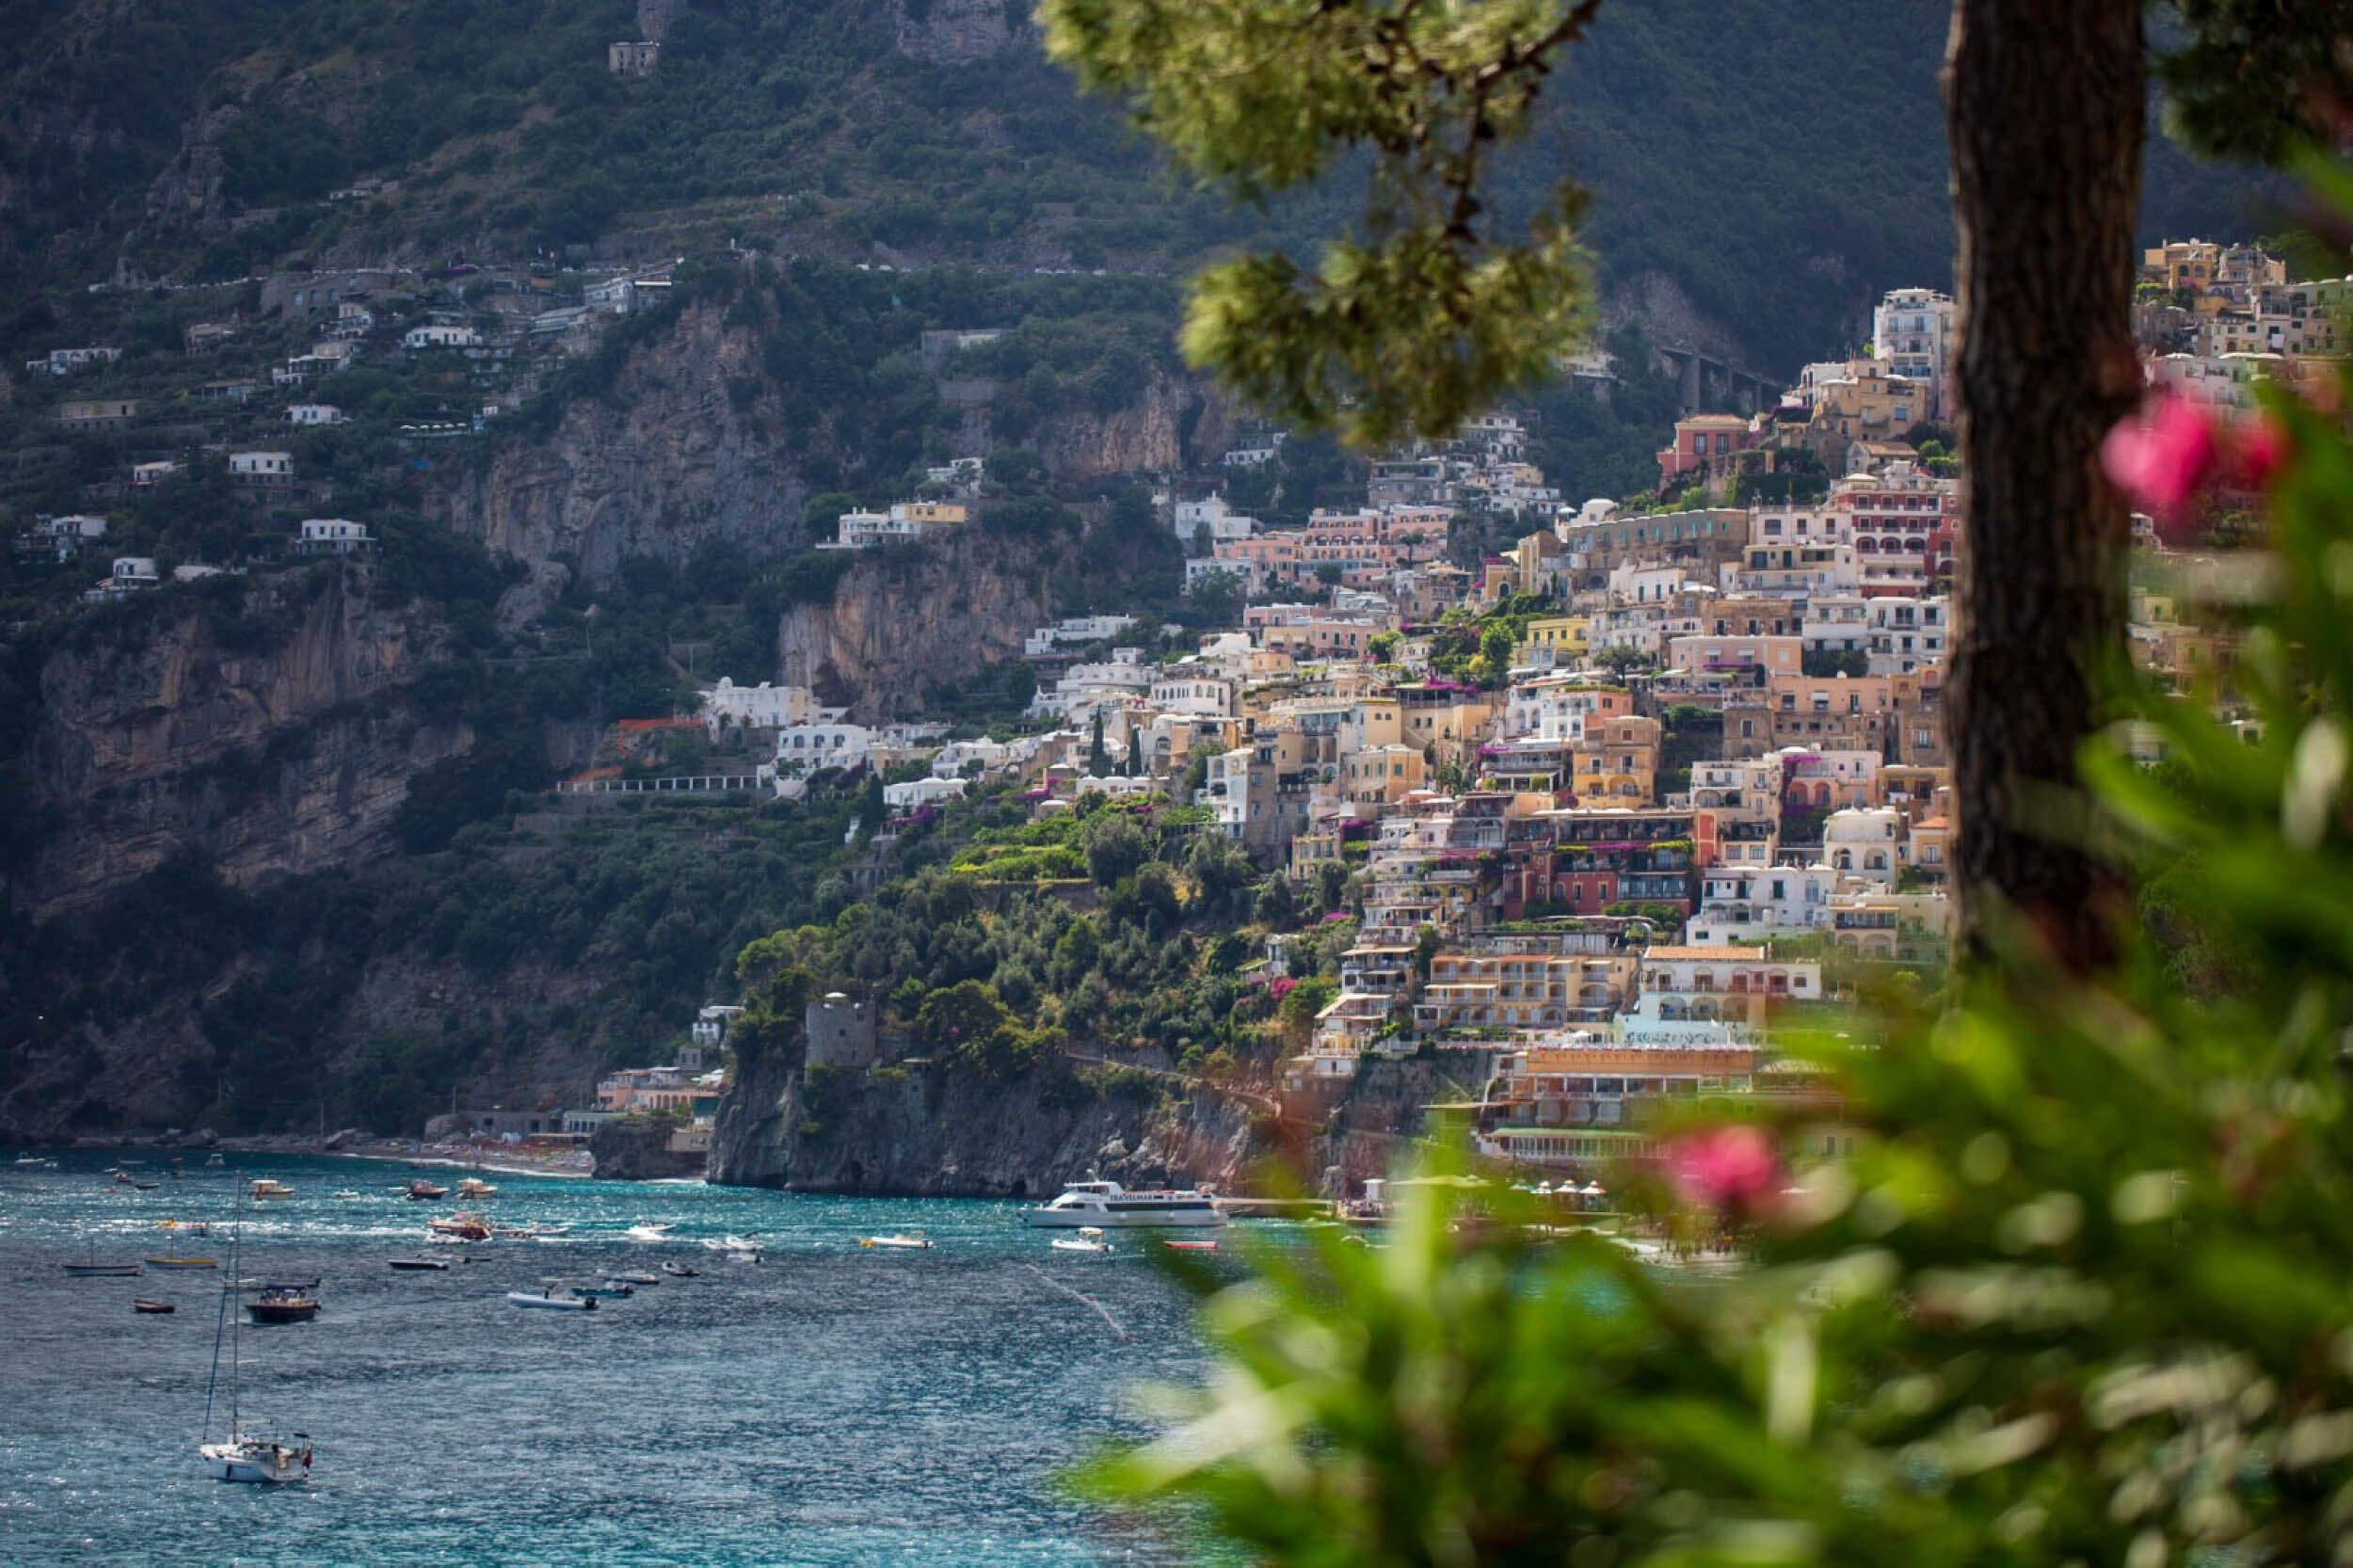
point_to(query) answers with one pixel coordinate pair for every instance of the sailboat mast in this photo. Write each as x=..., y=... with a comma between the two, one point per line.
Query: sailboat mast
x=236, y=1242
x=220, y=1321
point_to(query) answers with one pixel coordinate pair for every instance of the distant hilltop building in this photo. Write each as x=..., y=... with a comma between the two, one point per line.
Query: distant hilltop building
x=632, y=59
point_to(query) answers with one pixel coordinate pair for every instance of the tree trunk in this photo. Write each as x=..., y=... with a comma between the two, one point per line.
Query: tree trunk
x=2044, y=106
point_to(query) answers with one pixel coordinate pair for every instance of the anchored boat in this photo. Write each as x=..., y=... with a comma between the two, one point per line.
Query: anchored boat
x=265, y=1457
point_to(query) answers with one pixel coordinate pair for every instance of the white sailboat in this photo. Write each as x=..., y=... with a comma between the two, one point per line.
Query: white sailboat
x=273, y=1458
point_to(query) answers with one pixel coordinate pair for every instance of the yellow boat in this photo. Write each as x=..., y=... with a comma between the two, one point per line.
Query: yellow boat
x=183, y=1263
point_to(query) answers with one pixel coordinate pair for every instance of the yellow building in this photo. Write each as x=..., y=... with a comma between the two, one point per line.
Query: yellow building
x=1555, y=640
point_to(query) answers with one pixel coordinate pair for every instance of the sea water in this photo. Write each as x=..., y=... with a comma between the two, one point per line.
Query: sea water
x=831, y=1405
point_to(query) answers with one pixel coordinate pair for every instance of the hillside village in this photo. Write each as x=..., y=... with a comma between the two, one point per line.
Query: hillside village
x=1599, y=812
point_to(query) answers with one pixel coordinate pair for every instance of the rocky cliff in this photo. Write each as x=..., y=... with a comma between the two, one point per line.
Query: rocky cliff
x=668, y=459
x=903, y=622
x=255, y=727
x=942, y=1131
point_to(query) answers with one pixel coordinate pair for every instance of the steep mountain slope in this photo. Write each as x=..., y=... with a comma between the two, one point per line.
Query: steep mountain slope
x=1762, y=170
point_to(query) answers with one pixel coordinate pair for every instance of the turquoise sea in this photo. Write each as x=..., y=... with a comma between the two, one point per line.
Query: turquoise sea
x=832, y=1405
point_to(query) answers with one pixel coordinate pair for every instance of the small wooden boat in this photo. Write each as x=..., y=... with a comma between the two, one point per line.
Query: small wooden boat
x=1090, y=1238
x=680, y=1270
x=422, y=1191
x=183, y=1263
x=1190, y=1246
x=102, y=1271
x=142, y=1305
x=282, y=1304
x=145, y=1186
x=437, y=1264
x=555, y=1297
x=903, y=1244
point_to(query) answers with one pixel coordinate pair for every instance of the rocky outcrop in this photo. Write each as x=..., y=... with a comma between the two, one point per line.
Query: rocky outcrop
x=674, y=455
x=634, y=1150
x=256, y=730
x=932, y=1130
x=903, y=622
x=1147, y=436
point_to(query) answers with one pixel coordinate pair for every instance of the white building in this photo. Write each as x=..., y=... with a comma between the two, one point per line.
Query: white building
x=806, y=747
x=1866, y=846
x=1912, y=334
x=760, y=706
x=65, y=361
x=129, y=574
x=62, y=537
x=147, y=475
x=315, y=413
x=1076, y=632
x=914, y=793
x=262, y=467
x=904, y=521
x=710, y=1027
x=332, y=536
x=1191, y=690
x=1747, y=903
x=1188, y=518
x=1908, y=634
x=441, y=335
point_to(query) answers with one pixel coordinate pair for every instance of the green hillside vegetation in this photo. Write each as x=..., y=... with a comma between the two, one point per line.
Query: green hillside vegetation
x=996, y=977
x=1781, y=164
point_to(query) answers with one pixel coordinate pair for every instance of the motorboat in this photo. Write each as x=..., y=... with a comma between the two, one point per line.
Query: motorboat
x=36, y=1162
x=437, y=1264
x=139, y=1304
x=422, y=1191
x=346, y=1193
x=215, y=1158
x=649, y=1230
x=680, y=1270
x=1106, y=1204
x=282, y=1304
x=187, y=1227
x=474, y=1187
x=264, y=1187
x=1190, y=1246
x=903, y=1244
x=634, y=1276
x=1090, y=1238
x=267, y=1458
x=465, y=1224
x=554, y=1298
x=730, y=1243
x=145, y=1186
x=608, y=1288
x=161, y=1263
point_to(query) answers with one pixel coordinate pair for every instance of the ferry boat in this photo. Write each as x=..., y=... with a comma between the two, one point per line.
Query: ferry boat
x=1108, y=1205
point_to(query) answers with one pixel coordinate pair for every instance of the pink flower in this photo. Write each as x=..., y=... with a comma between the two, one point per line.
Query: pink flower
x=2160, y=458
x=1723, y=1166
x=2259, y=450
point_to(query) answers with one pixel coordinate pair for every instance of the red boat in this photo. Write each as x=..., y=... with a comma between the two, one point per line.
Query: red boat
x=1190, y=1246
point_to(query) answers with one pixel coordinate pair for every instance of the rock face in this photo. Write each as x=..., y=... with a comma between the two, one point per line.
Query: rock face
x=902, y=622
x=669, y=460
x=639, y=1151
x=939, y=1132
x=1147, y=436
x=261, y=735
